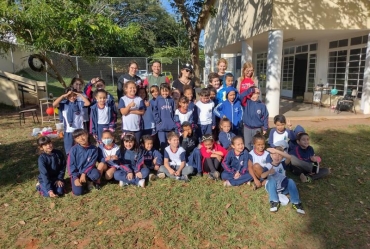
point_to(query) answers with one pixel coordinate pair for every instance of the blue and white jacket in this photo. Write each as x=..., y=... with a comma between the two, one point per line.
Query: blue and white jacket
x=233, y=164
x=255, y=113
x=164, y=112
x=112, y=117
x=233, y=111
x=81, y=159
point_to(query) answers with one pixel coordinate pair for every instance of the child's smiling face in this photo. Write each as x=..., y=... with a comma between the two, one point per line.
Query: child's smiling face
x=47, y=148
x=304, y=142
x=148, y=144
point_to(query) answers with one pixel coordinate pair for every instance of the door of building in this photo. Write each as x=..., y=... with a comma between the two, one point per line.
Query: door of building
x=300, y=75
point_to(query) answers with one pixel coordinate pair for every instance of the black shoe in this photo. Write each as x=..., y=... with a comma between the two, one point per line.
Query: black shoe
x=299, y=208
x=274, y=206
x=97, y=186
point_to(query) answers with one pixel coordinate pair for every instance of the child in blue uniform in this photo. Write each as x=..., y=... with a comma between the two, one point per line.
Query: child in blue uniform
x=235, y=164
x=206, y=117
x=52, y=167
x=189, y=141
x=304, y=159
x=130, y=173
x=102, y=116
x=148, y=124
x=164, y=114
x=99, y=84
x=231, y=108
x=132, y=108
x=280, y=134
x=174, y=160
x=277, y=181
x=72, y=112
x=81, y=163
x=293, y=142
x=150, y=158
x=108, y=155
x=183, y=114
x=225, y=135
x=255, y=115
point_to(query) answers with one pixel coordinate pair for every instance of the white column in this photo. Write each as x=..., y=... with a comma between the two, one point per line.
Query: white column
x=322, y=62
x=365, y=98
x=274, y=54
x=208, y=64
x=247, y=51
x=215, y=57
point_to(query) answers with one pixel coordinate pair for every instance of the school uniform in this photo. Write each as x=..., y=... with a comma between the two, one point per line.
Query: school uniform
x=192, y=155
x=232, y=110
x=52, y=168
x=123, y=79
x=164, y=112
x=255, y=117
x=206, y=117
x=224, y=138
x=82, y=160
x=181, y=117
x=129, y=164
x=102, y=119
x=175, y=158
x=148, y=120
x=104, y=152
x=146, y=157
x=72, y=114
x=276, y=136
x=236, y=163
x=132, y=122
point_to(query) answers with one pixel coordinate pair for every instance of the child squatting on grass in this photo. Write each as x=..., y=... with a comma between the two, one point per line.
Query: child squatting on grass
x=82, y=159
x=278, y=183
x=52, y=167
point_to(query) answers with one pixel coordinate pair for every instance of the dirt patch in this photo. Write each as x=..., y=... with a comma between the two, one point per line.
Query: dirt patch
x=27, y=243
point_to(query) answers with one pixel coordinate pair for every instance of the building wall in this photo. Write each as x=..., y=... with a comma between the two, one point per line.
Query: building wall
x=236, y=20
x=20, y=60
x=321, y=14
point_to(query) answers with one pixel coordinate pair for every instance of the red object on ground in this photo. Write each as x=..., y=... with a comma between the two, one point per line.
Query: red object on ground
x=50, y=111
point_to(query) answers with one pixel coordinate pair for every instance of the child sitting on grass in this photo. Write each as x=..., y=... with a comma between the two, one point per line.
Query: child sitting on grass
x=278, y=182
x=150, y=158
x=212, y=154
x=235, y=164
x=189, y=141
x=305, y=162
x=280, y=135
x=52, y=167
x=225, y=135
x=258, y=160
x=81, y=163
x=108, y=155
x=174, y=160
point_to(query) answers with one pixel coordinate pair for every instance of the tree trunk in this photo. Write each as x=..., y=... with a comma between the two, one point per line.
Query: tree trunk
x=57, y=74
x=194, y=51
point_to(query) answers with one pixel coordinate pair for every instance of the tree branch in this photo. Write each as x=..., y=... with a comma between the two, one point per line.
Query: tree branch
x=204, y=15
x=180, y=4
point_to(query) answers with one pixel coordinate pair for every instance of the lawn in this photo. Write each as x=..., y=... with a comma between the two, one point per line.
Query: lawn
x=198, y=214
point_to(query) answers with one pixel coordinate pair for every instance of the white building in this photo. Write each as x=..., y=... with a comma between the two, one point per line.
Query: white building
x=295, y=45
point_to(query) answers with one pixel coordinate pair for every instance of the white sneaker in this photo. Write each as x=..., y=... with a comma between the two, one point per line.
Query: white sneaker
x=152, y=177
x=141, y=183
x=122, y=184
x=161, y=175
x=227, y=183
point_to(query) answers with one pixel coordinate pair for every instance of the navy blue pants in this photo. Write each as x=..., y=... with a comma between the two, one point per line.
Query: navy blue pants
x=92, y=175
x=204, y=129
x=68, y=141
x=162, y=136
x=101, y=128
x=236, y=182
x=195, y=160
x=121, y=175
x=57, y=190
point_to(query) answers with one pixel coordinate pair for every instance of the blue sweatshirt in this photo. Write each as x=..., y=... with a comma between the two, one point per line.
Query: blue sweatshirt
x=164, y=111
x=225, y=139
x=112, y=117
x=293, y=141
x=52, y=167
x=232, y=110
x=81, y=159
x=233, y=164
x=146, y=157
x=148, y=117
x=221, y=95
x=255, y=113
x=303, y=154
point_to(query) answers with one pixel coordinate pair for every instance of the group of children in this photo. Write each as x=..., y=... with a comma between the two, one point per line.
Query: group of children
x=221, y=135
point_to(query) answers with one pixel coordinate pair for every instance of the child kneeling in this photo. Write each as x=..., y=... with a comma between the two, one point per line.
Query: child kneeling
x=278, y=183
x=52, y=167
x=235, y=164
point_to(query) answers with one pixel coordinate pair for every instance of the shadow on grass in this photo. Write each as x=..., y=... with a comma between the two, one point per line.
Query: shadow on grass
x=199, y=214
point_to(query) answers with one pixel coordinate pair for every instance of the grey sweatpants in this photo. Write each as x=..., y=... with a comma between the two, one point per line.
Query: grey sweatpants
x=307, y=168
x=187, y=170
x=248, y=136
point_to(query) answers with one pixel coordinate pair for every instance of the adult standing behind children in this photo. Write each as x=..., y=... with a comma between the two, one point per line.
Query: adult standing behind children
x=130, y=76
x=221, y=66
x=156, y=78
x=185, y=78
x=247, y=78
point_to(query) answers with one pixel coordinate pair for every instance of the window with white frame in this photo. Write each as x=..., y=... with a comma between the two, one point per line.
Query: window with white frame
x=347, y=64
x=287, y=73
x=261, y=69
x=311, y=72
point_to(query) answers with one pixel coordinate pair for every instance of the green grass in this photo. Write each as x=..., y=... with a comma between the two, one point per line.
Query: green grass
x=198, y=214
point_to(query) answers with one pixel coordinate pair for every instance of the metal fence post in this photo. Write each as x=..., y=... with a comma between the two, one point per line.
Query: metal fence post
x=111, y=63
x=79, y=76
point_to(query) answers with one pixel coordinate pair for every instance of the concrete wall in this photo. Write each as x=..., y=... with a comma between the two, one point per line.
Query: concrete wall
x=20, y=59
x=321, y=14
x=236, y=20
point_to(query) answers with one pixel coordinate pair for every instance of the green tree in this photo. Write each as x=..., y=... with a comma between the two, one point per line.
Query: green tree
x=194, y=15
x=70, y=27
